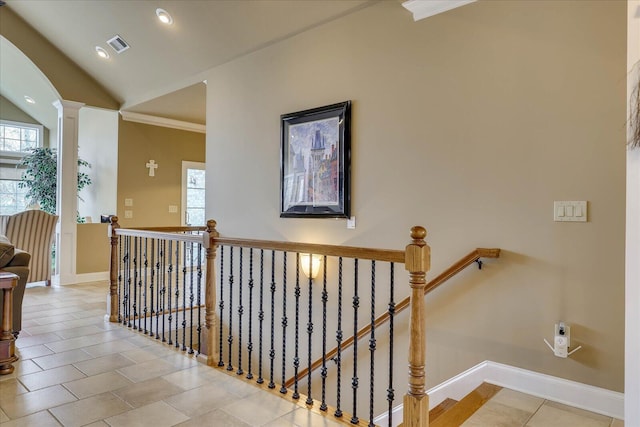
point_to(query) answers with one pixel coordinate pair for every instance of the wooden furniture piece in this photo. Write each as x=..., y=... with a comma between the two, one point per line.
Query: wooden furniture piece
x=16, y=261
x=8, y=281
x=33, y=232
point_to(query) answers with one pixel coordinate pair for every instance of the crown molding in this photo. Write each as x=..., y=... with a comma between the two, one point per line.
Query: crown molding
x=162, y=121
x=422, y=9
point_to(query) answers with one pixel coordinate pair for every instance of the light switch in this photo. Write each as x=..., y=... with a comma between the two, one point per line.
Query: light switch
x=128, y=214
x=570, y=211
x=173, y=209
x=128, y=202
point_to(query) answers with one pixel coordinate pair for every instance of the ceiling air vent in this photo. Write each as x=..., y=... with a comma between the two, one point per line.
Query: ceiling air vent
x=118, y=44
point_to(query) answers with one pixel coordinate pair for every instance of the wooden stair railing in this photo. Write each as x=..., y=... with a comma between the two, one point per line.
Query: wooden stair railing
x=460, y=265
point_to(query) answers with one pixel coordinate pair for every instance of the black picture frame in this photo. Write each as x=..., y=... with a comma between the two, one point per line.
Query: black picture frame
x=315, y=162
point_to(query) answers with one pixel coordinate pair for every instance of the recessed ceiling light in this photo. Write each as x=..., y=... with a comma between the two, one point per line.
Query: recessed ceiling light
x=164, y=16
x=29, y=99
x=102, y=53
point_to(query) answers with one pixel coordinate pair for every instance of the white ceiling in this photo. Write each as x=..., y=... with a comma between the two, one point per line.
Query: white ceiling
x=172, y=59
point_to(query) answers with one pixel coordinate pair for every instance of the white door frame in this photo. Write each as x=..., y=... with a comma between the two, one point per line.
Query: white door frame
x=183, y=206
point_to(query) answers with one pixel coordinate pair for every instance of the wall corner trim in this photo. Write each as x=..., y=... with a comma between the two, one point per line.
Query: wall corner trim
x=422, y=9
x=162, y=121
x=572, y=393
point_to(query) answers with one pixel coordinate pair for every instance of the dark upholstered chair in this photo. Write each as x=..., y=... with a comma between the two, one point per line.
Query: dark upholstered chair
x=15, y=261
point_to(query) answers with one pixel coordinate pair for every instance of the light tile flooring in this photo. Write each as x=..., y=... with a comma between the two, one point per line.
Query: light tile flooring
x=77, y=370
x=509, y=408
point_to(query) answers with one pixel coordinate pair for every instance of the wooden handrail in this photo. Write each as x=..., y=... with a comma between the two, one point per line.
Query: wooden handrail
x=316, y=249
x=431, y=285
x=163, y=233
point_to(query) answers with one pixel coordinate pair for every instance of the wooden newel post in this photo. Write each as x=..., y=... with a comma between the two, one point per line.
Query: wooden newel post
x=417, y=262
x=211, y=321
x=113, y=271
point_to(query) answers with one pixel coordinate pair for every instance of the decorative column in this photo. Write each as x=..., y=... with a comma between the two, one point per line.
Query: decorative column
x=417, y=262
x=211, y=321
x=67, y=190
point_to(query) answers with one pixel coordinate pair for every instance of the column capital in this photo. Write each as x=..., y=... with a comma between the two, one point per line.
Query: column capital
x=62, y=104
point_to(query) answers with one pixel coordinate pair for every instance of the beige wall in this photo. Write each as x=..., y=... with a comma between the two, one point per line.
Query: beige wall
x=93, y=252
x=9, y=111
x=71, y=81
x=470, y=123
x=139, y=143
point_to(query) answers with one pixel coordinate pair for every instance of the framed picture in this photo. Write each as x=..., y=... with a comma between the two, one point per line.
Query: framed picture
x=315, y=162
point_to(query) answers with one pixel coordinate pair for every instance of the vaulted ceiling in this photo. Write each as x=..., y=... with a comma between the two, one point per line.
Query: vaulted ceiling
x=162, y=72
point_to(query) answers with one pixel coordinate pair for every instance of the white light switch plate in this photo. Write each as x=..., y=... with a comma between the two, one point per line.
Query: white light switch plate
x=128, y=214
x=570, y=211
x=173, y=209
x=351, y=222
x=128, y=202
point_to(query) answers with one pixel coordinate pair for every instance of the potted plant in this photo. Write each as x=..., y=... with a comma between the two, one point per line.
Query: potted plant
x=40, y=178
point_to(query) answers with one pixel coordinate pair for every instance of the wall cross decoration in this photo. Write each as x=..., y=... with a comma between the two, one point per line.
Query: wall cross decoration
x=152, y=167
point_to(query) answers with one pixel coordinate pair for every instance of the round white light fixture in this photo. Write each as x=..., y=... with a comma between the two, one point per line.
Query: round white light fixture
x=102, y=53
x=164, y=16
x=29, y=99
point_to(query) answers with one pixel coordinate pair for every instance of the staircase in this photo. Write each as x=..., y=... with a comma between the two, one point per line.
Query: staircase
x=453, y=413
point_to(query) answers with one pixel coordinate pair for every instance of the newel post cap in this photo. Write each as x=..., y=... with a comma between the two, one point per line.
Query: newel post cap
x=417, y=253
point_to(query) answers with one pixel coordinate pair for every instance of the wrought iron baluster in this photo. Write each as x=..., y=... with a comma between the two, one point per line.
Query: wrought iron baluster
x=356, y=305
x=250, y=343
x=135, y=282
x=323, y=370
x=296, y=359
x=152, y=286
x=127, y=273
x=260, y=380
x=184, y=296
x=240, y=312
x=191, y=298
x=169, y=293
x=392, y=312
x=309, y=400
x=338, y=412
x=372, y=340
x=272, y=351
x=163, y=280
x=120, y=287
x=221, y=303
x=177, y=293
x=285, y=321
x=199, y=300
x=230, y=336
x=146, y=276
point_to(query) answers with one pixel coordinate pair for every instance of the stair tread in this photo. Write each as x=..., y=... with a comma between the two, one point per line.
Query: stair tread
x=467, y=406
x=441, y=408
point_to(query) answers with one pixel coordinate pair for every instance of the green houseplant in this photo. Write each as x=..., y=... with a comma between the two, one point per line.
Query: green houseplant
x=40, y=178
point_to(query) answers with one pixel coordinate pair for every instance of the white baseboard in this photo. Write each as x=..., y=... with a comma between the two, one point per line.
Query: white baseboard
x=572, y=393
x=80, y=278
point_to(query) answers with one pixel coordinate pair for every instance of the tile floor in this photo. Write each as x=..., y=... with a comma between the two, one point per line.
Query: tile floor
x=509, y=408
x=77, y=370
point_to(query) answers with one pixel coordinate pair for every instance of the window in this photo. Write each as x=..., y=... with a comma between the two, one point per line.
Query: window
x=19, y=138
x=193, y=185
x=12, y=197
x=16, y=140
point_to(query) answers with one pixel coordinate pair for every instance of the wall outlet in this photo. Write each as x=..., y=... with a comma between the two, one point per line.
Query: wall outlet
x=128, y=214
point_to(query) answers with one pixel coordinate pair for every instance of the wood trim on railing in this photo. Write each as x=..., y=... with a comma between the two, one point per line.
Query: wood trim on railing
x=163, y=235
x=460, y=265
x=316, y=249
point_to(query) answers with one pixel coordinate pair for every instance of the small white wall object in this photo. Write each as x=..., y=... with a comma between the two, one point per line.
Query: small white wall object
x=152, y=167
x=562, y=341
